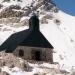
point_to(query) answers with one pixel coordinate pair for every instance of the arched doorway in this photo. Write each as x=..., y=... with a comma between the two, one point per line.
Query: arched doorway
x=36, y=55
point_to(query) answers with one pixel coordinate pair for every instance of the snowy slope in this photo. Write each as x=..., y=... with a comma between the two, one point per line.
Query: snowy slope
x=62, y=37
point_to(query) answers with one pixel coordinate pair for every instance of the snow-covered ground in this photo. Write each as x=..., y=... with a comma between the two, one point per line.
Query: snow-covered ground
x=16, y=71
x=39, y=69
x=62, y=37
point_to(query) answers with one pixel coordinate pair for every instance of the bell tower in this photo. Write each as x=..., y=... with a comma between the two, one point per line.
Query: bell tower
x=34, y=23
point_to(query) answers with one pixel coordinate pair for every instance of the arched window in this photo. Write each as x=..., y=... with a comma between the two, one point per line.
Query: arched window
x=21, y=53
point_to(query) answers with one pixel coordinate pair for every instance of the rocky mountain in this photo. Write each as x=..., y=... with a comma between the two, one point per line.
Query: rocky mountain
x=9, y=9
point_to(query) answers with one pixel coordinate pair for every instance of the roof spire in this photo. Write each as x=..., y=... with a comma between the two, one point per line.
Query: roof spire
x=34, y=23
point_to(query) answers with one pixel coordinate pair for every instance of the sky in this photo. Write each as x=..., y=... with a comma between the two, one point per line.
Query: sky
x=68, y=6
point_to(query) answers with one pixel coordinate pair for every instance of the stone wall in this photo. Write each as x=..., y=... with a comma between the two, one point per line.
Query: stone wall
x=46, y=53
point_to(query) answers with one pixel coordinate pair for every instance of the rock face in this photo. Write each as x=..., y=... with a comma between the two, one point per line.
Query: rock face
x=6, y=1
x=4, y=73
x=8, y=59
x=56, y=21
x=1, y=6
x=9, y=20
x=6, y=13
x=11, y=15
x=9, y=12
x=15, y=7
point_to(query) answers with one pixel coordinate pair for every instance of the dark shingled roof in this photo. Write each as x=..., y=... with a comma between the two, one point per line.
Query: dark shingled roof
x=31, y=37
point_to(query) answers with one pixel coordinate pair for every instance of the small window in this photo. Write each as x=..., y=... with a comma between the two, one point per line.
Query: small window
x=21, y=53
